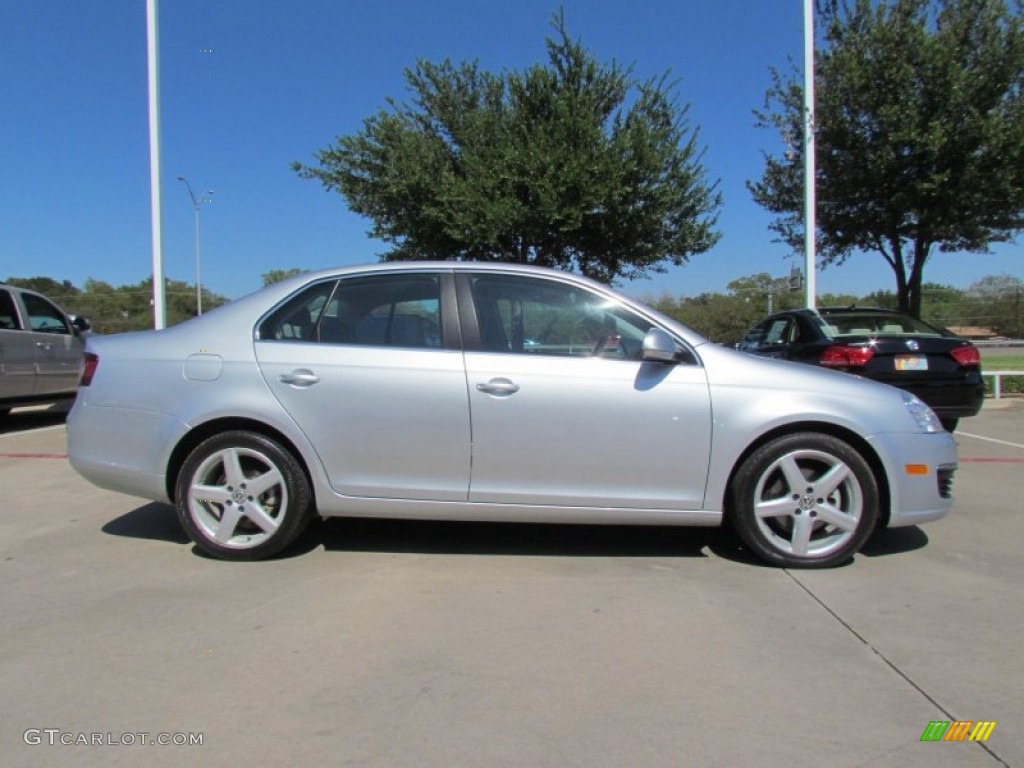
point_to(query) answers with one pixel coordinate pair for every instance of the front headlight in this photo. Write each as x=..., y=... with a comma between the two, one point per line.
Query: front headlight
x=923, y=416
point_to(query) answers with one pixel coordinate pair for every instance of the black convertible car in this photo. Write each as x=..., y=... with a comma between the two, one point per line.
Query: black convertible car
x=938, y=366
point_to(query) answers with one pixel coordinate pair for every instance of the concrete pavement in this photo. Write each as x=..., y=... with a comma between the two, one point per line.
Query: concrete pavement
x=392, y=644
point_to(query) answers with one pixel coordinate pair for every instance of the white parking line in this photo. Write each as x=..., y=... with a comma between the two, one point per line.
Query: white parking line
x=990, y=439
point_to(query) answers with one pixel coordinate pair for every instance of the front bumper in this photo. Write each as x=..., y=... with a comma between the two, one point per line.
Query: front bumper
x=920, y=469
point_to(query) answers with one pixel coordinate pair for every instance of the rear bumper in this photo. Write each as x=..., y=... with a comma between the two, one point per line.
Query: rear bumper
x=118, y=448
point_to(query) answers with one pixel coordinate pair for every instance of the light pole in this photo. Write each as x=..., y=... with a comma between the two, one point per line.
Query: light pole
x=196, y=203
x=810, y=168
x=153, y=68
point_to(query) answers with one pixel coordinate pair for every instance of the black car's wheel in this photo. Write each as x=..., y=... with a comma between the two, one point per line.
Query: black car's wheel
x=242, y=496
x=805, y=500
x=949, y=424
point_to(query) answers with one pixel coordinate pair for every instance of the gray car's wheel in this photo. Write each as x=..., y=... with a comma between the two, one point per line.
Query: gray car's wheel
x=805, y=500
x=242, y=496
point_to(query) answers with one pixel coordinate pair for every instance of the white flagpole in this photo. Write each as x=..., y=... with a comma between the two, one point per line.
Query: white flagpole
x=809, y=165
x=159, y=313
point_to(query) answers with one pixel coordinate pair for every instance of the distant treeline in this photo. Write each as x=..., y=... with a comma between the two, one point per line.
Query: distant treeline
x=122, y=308
x=995, y=303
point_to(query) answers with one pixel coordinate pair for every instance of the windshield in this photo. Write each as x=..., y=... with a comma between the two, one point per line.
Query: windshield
x=841, y=324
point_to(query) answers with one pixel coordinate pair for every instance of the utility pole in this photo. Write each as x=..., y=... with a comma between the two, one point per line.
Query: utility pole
x=153, y=62
x=810, y=220
x=196, y=204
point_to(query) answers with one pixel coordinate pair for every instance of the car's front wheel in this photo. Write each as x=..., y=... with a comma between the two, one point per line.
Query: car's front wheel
x=805, y=500
x=242, y=496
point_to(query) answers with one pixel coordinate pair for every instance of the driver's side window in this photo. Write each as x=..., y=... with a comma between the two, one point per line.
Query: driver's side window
x=44, y=316
x=536, y=316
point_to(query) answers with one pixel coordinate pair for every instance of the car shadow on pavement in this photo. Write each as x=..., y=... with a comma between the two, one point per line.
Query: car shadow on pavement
x=158, y=522
x=154, y=521
x=23, y=419
x=475, y=538
x=893, y=541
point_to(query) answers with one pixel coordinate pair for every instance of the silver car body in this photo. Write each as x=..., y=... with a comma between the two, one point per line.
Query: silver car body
x=462, y=434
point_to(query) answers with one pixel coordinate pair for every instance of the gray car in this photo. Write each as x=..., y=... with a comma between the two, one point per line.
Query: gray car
x=495, y=393
x=41, y=350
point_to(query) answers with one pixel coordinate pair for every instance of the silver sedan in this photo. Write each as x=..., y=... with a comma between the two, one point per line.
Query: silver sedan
x=494, y=392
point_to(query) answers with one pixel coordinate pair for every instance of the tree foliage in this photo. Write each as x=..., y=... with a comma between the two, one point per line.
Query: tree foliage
x=123, y=308
x=574, y=165
x=919, y=124
x=44, y=285
x=278, y=275
x=995, y=302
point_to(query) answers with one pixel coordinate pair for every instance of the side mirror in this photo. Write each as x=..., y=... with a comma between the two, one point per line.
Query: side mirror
x=81, y=324
x=659, y=347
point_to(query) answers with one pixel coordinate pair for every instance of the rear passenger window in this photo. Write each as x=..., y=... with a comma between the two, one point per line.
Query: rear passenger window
x=379, y=310
x=385, y=310
x=778, y=332
x=298, y=318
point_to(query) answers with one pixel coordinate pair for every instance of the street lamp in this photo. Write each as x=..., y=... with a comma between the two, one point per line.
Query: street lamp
x=195, y=205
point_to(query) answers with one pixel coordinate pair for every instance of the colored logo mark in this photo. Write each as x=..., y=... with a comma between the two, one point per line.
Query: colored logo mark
x=958, y=730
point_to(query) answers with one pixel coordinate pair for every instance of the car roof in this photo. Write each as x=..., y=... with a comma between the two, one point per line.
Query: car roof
x=19, y=289
x=842, y=310
x=821, y=312
x=453, y=266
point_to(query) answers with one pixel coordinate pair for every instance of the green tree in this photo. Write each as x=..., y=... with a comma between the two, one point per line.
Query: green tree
x=840, y=300
x=123, y=308
x=56, y=290
x=997, y=302
x=941, y=304
x=919, y=124
x=575, y=165
x=725, y=318
x=277, y=275
x=769, y=294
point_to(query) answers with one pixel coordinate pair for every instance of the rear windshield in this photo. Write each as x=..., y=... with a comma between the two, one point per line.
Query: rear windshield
x=874, y=324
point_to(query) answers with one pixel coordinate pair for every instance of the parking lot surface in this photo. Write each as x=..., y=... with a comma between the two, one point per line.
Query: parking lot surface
x=391, y=644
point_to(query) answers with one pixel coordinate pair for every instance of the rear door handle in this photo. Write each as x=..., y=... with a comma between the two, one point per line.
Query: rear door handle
x=300, y=377
x=500, y=387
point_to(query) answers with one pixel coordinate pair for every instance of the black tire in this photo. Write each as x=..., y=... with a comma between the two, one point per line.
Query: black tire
x=949, y=424
x=248, y=482
x=820, y=524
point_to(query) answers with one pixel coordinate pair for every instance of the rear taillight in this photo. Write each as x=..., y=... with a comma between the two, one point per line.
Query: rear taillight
x=968, y=357
x=92, y=362
x=842, y=356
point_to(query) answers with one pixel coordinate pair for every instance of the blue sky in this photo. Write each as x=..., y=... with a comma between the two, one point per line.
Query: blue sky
x=248, y=86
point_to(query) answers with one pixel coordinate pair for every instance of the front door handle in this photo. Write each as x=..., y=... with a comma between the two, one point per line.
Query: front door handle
x=300, y=377
x=500, y=387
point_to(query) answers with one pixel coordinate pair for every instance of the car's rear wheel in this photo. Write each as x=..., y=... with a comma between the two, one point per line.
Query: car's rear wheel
x=949, y=424
x=242, y=496
x=805, y=500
